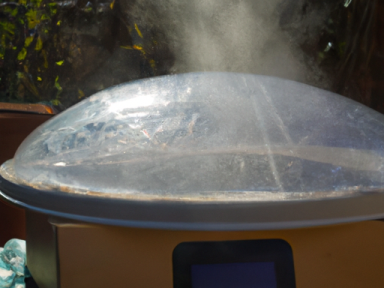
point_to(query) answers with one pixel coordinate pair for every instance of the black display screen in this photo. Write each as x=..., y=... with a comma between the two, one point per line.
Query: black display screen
x=234, y=275
x=234, y=264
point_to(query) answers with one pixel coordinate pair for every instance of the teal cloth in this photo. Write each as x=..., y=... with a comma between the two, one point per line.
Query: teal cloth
x=13, y=260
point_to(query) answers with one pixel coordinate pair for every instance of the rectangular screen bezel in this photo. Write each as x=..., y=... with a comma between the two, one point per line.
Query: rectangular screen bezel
x=278, y=251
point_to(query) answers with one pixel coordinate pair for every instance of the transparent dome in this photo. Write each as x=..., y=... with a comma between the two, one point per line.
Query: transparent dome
x=207, y=138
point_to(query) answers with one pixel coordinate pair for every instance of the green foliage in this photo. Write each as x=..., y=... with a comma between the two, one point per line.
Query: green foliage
x=49, y=49
x=25, y=51
x=22, y=54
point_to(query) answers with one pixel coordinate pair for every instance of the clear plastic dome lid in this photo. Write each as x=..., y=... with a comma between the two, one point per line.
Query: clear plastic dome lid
x=207, y=137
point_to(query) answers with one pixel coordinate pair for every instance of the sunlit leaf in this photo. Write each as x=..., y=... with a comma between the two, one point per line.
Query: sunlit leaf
x=33, y=18
x=14, y=12
x=81, y=93
x=57, y=84
x=28, y=41
x=138, y=31
x=112, y=4
x=59, y=63
x=39, y=79
x=152, y=63
x=22, y=54
x=8, y=27
x=127, y=47
x=52, y=8
x=39, y=44
x=55, y=102
x=138, y=47
x=44, y=17
x=58, y=23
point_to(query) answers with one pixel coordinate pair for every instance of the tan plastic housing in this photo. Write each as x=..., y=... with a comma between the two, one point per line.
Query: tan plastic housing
x=340, y=256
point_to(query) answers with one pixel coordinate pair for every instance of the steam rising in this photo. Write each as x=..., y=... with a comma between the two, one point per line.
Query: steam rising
x=228, y=35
